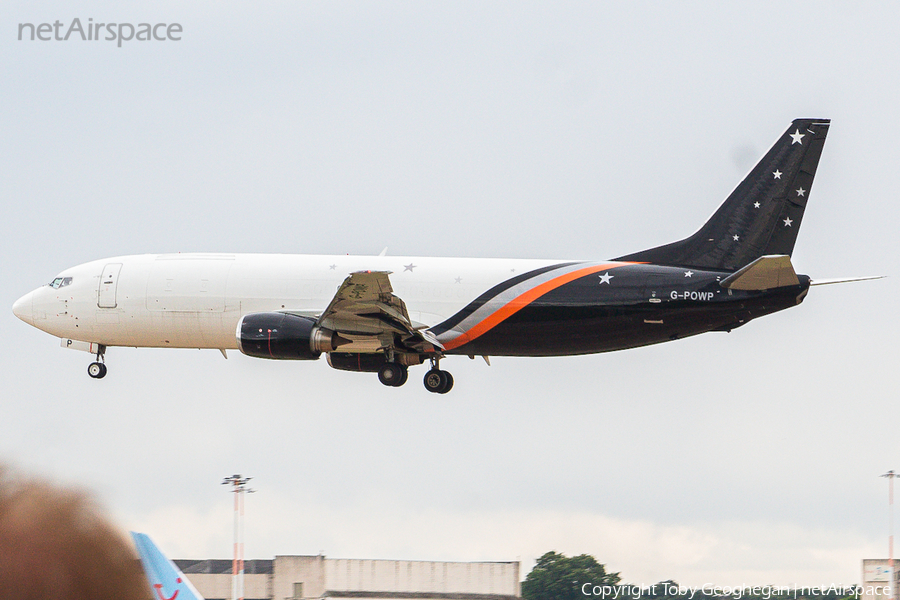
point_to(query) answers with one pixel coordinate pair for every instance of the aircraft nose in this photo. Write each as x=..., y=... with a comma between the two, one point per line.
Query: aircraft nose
x=24, y=308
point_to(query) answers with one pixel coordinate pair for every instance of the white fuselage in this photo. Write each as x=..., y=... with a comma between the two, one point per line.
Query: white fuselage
x=197, y=300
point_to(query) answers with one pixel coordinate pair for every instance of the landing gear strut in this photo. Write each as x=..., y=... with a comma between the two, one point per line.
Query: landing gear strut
x=437, y=381
x=393, y=374
x=97, y=369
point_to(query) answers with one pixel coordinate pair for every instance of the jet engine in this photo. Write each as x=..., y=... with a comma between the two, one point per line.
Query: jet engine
x=354, y=361
x=283, y=336
x=369, y=362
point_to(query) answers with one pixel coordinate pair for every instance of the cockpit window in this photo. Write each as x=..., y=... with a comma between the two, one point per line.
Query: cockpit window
x=60, y=282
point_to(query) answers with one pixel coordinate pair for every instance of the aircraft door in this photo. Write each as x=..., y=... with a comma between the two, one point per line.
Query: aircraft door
x=109, y=280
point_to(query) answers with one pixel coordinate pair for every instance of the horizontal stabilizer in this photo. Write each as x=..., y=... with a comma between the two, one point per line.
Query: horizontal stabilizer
x=764, y=273
x=844, y=280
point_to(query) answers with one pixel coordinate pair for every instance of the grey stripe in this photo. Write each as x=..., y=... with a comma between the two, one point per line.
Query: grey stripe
x=507, y=296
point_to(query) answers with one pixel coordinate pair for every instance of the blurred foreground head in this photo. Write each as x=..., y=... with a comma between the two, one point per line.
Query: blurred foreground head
x=55, y=544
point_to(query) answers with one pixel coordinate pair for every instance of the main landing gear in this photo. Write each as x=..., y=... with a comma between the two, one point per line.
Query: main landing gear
x=437, y=381
x=97, y=369
x=394, y=374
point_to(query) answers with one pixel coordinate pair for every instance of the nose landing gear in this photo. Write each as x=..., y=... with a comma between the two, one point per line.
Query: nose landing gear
x=97, y=369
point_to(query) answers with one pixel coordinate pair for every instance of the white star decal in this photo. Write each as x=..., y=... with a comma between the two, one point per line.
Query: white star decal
x=801, y=192
x=333, y=267
x=787, y=222
x=777, y=174
x=458, y=280
x=688, y=273
x=605, y=277
x=736, y=237
x=409, y=267
x=797, y=137
x=756, y=205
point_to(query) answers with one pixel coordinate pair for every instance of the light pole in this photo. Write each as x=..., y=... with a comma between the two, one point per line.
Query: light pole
x=890, y=477
x=239, y=486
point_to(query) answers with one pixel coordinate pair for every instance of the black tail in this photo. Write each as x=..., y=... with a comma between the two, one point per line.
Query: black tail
x=761, y=216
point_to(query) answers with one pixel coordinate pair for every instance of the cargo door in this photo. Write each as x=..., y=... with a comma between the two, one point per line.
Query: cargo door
x=109, y=280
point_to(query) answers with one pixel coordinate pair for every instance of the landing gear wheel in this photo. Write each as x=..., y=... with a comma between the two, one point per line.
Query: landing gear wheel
x=97, y=370
x=438, y=382
x=448, y=382
x=433, y=381
x=393, y=374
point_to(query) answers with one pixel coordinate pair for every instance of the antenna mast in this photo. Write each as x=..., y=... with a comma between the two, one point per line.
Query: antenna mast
x=239, y=486
x=890, y=477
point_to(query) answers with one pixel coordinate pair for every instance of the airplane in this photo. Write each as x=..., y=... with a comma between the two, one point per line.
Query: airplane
x=391, y=313
x=166, y=580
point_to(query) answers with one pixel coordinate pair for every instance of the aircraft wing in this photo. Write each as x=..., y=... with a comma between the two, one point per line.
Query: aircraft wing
x=365, y=312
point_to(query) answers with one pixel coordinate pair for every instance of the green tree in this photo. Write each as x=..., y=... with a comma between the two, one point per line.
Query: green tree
x=556, y=577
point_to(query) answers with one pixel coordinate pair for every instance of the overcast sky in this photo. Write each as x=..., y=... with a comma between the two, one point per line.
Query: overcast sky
x=478, y=129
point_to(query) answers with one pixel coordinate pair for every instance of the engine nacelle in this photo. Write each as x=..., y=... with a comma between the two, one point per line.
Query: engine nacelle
x=368, y=362
x=354, y=361
x=282, y=336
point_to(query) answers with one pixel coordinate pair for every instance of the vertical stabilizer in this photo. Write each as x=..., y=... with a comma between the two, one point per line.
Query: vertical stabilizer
x=762, y=215
x=167, y=582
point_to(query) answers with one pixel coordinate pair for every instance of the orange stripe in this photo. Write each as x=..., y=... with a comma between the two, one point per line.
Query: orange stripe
x=520, y=302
